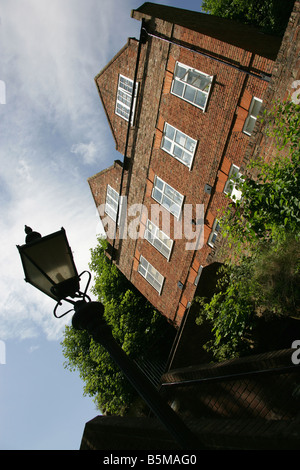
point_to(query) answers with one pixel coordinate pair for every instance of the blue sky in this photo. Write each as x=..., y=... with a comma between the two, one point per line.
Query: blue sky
x=53, y=136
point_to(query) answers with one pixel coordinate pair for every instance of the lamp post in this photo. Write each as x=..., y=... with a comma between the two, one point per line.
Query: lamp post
x=49, y=266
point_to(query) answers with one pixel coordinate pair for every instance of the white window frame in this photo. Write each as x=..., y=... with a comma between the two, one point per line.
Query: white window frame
x=111, y=202
x=113, y=199
x=183, y=80
x=158, y=239
x=198, y=275
x=214, y=233
x=179, y=145
x=251, y=116
x=152, y=276
x=167, y=193
x=124, y=97
x=233, y=179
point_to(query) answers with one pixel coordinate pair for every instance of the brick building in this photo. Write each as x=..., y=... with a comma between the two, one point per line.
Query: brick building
x=182, y=103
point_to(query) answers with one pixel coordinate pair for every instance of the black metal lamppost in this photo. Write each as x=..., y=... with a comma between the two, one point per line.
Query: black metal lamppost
x=49, y=266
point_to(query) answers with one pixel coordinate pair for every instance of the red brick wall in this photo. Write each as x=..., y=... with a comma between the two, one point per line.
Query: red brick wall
x=107, y=85
x=284, y=83
x=218, y=131
x=217, y=148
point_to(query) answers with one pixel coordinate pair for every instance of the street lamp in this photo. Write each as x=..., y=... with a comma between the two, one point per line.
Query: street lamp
x=49, y=266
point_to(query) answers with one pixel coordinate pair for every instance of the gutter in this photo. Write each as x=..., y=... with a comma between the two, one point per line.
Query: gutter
x=261, y=76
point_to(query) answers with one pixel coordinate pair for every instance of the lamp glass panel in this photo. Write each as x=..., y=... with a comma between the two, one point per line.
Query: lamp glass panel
x=50, y=255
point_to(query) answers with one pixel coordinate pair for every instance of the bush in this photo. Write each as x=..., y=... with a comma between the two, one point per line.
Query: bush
x=263, y=231
x=136, y=326
x=230, y=312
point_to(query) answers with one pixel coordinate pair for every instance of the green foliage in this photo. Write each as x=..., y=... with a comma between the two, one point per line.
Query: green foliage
x=109, y=283
x=271, y=16
x=263, y=231
x=102, y=378
x=230, y=312
x=270, y=206
x=135, y=324
x=276, y=275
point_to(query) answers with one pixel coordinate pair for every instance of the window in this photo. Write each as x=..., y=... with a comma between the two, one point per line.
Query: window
x=254, y=109
x=179, y=145
x=198, y=275
x=150, y=274
x=111, y=203
x=158, y=239
x=191, y=85
x=167, y=196
x=233, y=179
x=214, y=233
x=124, y=97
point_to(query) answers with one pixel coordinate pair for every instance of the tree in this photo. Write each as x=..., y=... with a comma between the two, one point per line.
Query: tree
x=270, y=204
x=136, y=326
x=271, y=16
x=263, y=231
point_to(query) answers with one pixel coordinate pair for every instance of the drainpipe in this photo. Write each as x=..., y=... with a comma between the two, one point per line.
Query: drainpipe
x=142, y=40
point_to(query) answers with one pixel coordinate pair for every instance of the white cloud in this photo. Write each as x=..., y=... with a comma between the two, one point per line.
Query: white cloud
x=50, y=53
x=87, y=151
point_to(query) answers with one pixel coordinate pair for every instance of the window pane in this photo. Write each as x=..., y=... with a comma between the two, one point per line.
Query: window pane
x=175, y=210
x=178, y=144
x=158, y=239
x=187, y=158
x=126, y=84
x=178, y=88
x=159, y=183
x=180, y=138
x=200, y=99
x=193, y=78
x=157, y=195
x=169, y=131
x=178, y=151
x=124, y=98
x=167, y=202
x=166, y=144
x=167, y=196
x=142, y=270
x=150, y=274
x=228, y=187
x=250, y=123
x=170, y=192
x=122, y=111
x=256, y=107
x=190, y=144
x=177, y=197
x=189, y=93
x=111, y=203
x=191, y=85
x=234, y=172
x=180, y=71
x=204, y=83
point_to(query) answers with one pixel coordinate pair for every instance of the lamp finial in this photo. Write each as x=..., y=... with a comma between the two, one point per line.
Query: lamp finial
x=30, y=235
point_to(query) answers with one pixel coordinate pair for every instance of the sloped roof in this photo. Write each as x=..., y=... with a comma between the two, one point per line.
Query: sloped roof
x=130, y=41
